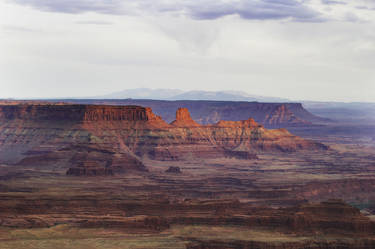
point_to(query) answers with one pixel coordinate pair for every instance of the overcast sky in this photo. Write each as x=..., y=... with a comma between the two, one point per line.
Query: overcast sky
x=298, y=49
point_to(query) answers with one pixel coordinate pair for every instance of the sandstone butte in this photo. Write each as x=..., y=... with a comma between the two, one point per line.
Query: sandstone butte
x=122, y=135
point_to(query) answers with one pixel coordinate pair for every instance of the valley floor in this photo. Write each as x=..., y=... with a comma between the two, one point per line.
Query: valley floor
x=216, y=203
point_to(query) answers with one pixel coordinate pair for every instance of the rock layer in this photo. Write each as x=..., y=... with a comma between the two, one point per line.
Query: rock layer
x=183, y=119
x=217, y=244
x=89, y=168
x=134, y=131
x=270, y=115
x=172, y=169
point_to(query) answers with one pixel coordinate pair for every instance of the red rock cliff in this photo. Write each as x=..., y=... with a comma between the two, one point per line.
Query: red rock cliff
x=183, y=119
x=137, y=130
x=70, y=112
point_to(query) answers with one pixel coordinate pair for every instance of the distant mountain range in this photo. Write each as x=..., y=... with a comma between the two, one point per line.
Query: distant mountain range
x=348, y=112
x=176, y=94
x=142, y=93
x=344, y=111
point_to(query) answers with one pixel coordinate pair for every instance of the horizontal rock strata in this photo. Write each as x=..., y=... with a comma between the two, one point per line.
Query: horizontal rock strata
x=134, y=131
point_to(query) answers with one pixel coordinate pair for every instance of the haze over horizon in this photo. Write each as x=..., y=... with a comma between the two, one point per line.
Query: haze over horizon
x=300, y=50
x=178, y=94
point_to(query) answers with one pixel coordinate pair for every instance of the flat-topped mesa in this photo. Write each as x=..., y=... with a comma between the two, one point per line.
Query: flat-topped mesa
x=77, y=113
x=281, y=114
x=183, y=119
x=119, y=113
x=128, y=113
x=137, y=130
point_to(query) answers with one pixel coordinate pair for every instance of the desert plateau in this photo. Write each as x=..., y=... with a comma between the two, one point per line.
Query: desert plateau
x=119, y=176
x=187, y=124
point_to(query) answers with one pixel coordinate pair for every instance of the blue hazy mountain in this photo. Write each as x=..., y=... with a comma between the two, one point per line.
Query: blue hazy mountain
x=176, y=94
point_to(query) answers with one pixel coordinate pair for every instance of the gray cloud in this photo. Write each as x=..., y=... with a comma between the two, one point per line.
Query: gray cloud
x=351, y=17
x=204, y=9
x=74, y=6
x=94, y=22
x=259, y=10
x=333, y=2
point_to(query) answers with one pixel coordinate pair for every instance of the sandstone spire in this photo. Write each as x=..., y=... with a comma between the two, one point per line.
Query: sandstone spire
x=183, y=119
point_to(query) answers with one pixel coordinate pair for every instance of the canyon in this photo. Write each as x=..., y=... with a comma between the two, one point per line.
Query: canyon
x=119, y=176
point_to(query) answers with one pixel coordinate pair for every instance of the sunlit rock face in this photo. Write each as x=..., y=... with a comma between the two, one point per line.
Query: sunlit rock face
x=183, y=119
x=33, y=130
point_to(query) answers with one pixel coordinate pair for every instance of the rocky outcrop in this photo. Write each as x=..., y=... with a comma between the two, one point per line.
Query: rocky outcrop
x=84, y=160
x=183, y=119
x=270, y=115
x=94, y=161
x=135, y=131
x=283, y=115
x=79, y=113
x=249, y=123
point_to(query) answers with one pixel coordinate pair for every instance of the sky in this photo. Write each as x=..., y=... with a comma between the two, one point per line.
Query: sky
x=297, y=49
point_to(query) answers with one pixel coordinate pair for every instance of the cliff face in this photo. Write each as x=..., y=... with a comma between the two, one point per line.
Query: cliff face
x=83, y=159
x=136, y=131
x=183, y=119
x=77, y=113
x=283, y=115
x=270, y=115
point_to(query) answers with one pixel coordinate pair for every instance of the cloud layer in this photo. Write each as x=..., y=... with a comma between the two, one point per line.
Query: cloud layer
x=297, y=49
x=203, y=9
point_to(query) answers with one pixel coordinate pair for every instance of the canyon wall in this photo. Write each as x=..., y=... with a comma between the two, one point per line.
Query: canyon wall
x=270, y=115
x=74, y=113
x=136, y=131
